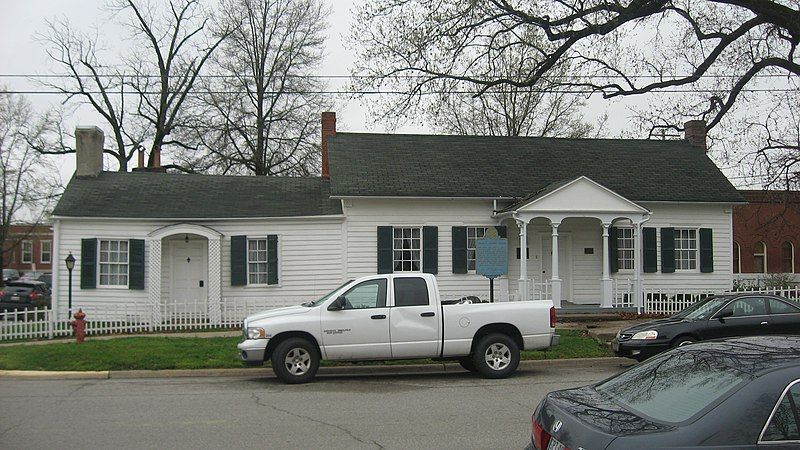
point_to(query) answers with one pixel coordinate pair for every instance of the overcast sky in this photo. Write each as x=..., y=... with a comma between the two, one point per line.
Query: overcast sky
x=21, y=53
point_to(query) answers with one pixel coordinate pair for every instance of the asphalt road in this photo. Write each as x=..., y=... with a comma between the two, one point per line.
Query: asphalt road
x=453, y=410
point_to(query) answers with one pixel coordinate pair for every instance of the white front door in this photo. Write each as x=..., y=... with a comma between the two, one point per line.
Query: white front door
x=564, y=262
x=189, y=271
x=415, y=322
x=361, y=329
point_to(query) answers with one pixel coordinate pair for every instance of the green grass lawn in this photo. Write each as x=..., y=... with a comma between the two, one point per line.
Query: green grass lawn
x=156, y=353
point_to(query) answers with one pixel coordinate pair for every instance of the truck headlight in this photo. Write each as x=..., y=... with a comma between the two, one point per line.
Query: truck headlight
x=256, y=333
x=645, y=335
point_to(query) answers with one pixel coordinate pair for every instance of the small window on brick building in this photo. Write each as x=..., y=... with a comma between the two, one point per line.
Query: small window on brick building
x=787, y=257
x=737, y=264
x=760, y=257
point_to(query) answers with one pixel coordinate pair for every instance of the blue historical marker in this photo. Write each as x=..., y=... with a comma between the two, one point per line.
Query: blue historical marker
x=491, y=259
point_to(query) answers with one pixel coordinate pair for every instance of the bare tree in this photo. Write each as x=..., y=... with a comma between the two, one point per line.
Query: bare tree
x=29, y=181
x=90, y=82
x=163, y=70
x=719, y=50
x=141, y=96
x=259, y=110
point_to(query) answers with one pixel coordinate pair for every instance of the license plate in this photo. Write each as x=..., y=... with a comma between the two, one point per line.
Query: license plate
x=555, y=445
x=15, y=298
x=615, y=346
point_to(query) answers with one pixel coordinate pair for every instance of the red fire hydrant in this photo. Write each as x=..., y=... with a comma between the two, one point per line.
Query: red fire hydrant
x=79, y=326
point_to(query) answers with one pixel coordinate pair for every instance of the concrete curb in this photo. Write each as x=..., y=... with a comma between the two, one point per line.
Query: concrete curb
x=354, y=370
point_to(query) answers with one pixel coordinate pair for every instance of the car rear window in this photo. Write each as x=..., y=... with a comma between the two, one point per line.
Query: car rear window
x=18, y=289
x=675, y=387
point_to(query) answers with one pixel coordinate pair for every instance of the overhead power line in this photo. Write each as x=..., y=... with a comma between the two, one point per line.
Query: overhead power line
x=578, y=76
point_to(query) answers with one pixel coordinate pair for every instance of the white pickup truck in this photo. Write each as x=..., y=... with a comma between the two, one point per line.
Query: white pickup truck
x=399, y=316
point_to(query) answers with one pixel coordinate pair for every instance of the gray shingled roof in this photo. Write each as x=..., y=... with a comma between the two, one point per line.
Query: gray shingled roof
x=484, y=166
x=181, y=196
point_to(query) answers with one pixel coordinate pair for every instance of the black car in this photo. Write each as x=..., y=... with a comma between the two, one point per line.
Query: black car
x=714, y=317
x=741, y=393
x=24, y=295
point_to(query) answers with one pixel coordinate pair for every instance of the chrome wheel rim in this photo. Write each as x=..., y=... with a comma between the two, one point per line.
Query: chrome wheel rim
x=297, y=361
x=498, y=356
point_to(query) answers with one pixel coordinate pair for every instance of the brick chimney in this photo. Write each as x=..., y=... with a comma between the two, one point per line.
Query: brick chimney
x=88, y=151
x=694, y=132
x=328, y=130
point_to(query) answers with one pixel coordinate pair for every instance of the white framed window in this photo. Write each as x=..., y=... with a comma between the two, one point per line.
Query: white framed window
x=760, y=257
x=113, y=262
x=27, y=252
x=257, y=261
x=625, y=248
x=45, y=252
x=407, y=249
x=787, y=257
x=685, y=249
x=473, y=234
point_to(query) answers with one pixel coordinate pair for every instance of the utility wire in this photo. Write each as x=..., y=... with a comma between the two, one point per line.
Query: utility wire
x=123, y=75
x=357, y=92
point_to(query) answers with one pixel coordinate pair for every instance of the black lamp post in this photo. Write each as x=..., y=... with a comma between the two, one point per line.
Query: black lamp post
x=70, y=261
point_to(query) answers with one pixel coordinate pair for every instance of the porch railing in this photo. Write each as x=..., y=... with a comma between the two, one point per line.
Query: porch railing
x=540, y=290
x=623, y=293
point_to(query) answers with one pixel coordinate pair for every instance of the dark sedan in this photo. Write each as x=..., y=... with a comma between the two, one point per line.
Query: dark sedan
x=720, y=316
x=741, y=393
x=24, y=295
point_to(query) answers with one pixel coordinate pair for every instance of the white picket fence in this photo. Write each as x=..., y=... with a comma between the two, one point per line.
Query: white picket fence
x=671, y=301
x=122, y=319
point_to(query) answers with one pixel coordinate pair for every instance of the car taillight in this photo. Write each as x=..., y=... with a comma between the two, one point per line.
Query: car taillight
x=34, y=295
x=540, y=437
x=552, y=317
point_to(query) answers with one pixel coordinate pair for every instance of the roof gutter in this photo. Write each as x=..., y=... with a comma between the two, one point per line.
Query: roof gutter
x=331, y=217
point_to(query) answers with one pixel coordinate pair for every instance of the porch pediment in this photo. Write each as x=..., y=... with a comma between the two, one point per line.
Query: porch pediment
x=578, y=195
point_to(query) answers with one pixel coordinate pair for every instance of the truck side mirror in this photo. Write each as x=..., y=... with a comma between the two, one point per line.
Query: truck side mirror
x=338, y=304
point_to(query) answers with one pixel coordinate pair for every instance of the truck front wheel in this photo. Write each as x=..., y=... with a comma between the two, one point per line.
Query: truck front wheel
x=295, y=361
x=496, y=356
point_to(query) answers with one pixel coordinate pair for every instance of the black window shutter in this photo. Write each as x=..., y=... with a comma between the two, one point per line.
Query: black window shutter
x=88, y=263
x=502, y=231
x=706, y=251
x=459, y=249
x=272, y=259
x=613, y=257
x=385, y=255
x=667, y=250
x=238, y=260
x=430, y=250
x=650, y=250
x=136, y=264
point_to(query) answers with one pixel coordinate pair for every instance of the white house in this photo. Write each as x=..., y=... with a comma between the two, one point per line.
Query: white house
x=603, y=221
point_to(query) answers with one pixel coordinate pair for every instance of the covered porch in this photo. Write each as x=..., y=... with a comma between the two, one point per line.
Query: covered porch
x=571, y=230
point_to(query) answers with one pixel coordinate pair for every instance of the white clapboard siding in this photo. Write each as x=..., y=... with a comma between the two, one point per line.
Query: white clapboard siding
x=310, y=258
x=364, y=216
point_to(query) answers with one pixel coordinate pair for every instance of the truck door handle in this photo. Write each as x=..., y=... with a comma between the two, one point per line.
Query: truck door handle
x=201, y=283
x=378, y=316
x=428, y=314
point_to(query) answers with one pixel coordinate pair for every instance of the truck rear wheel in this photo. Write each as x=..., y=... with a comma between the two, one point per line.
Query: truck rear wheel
x=295, y=361
x=496, y=356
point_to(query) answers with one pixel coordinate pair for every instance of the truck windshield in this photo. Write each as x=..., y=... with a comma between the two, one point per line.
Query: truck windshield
x=326, y=296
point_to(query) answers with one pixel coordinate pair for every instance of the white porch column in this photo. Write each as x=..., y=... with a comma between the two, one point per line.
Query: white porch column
x=214, y=281
x=555, y=281
x=605, y=282
x=154, y=282
x=638, y=300
x=522, y=284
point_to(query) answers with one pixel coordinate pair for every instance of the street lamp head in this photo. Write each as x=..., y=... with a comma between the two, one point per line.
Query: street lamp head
x=70, y=261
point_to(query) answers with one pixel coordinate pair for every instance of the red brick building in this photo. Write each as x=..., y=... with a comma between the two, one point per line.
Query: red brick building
x=29, y=247
x=766, y=232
